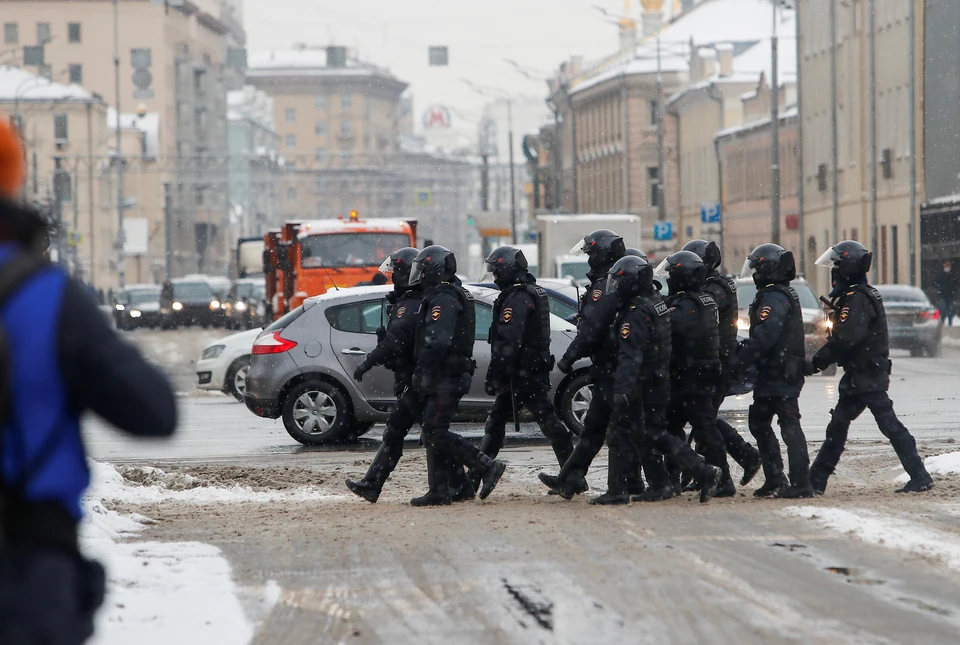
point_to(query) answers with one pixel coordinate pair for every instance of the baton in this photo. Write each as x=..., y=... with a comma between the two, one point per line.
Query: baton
x=513, y=400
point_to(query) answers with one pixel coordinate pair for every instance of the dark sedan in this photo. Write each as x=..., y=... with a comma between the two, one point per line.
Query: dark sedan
x=912, y=321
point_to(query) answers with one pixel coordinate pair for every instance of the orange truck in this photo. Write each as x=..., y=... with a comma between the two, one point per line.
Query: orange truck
x=308, y=257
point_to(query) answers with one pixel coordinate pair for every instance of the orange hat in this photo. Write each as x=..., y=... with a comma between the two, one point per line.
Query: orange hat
x=12, y=167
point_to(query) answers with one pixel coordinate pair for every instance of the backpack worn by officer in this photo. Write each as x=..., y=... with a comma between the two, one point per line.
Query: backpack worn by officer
x=727, y=314
x=534, y=355
x=459, y=357
x=869, y=365
x=784, y=363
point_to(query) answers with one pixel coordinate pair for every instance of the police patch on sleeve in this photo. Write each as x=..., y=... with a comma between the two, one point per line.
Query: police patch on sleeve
x=401, y=311
x=596, y=295
x=765, y=313
x=507, y=315
x=625, y=330
x=844, y=314
x=435, y=313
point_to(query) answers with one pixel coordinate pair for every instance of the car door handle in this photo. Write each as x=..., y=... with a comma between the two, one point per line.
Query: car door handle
x=353, y=351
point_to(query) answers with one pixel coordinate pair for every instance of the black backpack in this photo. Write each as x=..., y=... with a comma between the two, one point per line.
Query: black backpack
x=14, y=274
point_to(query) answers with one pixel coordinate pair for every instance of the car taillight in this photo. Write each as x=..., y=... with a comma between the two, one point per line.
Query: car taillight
x=272, y=344
x=930, y=314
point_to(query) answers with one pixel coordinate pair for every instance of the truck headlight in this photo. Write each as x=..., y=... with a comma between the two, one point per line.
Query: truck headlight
x=135, y=313
x=240, y=306
x=120, y=307
x=177, y=306
x=214, y=305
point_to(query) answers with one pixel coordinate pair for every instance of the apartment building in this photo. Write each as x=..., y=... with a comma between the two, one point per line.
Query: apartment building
x=178, y=63
x=254, y=161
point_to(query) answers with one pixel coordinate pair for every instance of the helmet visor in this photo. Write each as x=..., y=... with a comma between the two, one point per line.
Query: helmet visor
x=749, y=268
x=661, y=270
x=829, y=258
x=416, y=272
x=387, y=268
x=487, y=274
x=580, y=248
x=613, y=279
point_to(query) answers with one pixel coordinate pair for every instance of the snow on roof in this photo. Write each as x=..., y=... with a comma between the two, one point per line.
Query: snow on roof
x=306, y=62
x=148, y=125
x=943, y=201
x=17, y=83
x=786, y=115
x=710, y=23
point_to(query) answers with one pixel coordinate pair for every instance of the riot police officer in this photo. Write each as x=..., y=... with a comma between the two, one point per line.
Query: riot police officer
x=520, y=359
x=859, y=343
x=443, y=369
x=724, y=292
x=598, y=310
x=695, y=360
x=776, y=347
x=642, y=390
x=395, y=351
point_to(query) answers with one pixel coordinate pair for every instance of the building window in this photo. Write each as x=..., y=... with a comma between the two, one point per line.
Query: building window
x=46, y=71
x=60, y=133
x=291, y=115
x=320, y=155
x=654, y=112
x=320, y=128
x=320, y=102
x=73, y=32
x=198, y=195
x=653, y=176
x=291, y=141
x=76, y=74
x=291, y=194
x=11, y=33
x=345, y=129
x=346, y=101
x=43, y=33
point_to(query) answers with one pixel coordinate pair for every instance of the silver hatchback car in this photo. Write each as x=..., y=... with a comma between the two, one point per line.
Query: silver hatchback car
x=302, y=365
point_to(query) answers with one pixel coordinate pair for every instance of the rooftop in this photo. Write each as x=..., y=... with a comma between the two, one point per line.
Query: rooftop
x=18, y=84
x=307, y=61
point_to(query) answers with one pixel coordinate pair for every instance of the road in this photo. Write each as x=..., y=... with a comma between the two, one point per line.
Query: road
x=524, y=567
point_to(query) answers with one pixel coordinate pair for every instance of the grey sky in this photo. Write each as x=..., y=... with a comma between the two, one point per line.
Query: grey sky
x=539, y=34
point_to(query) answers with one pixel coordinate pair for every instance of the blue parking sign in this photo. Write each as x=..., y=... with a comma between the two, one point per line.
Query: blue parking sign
x=662, y=231
x=710, y=213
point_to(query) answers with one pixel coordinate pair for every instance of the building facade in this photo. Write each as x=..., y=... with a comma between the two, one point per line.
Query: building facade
x=254, y=162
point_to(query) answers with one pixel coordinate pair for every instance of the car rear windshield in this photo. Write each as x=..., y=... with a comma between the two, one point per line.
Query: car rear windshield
x=285, y=321
x=141, y=296
x=747, y=291
x=192, y=290
x=248, y=290
x=339, y=250
x=903, y=294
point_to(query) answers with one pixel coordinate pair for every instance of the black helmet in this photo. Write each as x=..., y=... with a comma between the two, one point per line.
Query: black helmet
x=637, y=253
x=506, y=264
x=770, y=264
x=603, y=247
x=683, y=270
x=850, y=261
x=398, y=264
x=433, y=265
x=630, y=276
x=709, y=252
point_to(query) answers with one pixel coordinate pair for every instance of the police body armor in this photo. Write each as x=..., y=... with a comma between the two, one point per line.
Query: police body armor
x=871, y=358
x=655, y=372
x=409, y=303
x=728, y=317
x=534, y=355
x=605, y=354
x=459, y=358
x=785, y=360
x=696, y=359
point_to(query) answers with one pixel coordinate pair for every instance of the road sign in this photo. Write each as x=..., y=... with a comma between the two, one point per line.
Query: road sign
x=74, y=238
x=142, y=78
x=143, y=95
x=662, y=231
x=423, y=197
x=710, y=213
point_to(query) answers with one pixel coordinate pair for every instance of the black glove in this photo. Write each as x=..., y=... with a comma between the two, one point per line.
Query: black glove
x=565, y=365
x=620, y=404
x=381, y=333
x=490, y=388
x=399, y=387
x=809, y=369
x=362, y=369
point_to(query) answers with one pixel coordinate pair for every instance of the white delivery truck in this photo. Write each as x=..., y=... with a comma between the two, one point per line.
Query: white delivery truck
x=559, y=233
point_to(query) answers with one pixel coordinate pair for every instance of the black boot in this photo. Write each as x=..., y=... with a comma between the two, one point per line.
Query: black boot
x=799, y=459
x=726, y=487
x=656, y=494
x=560, y=439
x=917, y=485
x=461, y=487
x=367, y=490
x=741, y=451
x=491, y=476
x=710, y=477
x=438, y=481
x=771, y=487
x=380, y=468
x=573, y=484
x=751, y=464
x=610, y=499
x=906, y=448
x=773, y=475
x=796, y=492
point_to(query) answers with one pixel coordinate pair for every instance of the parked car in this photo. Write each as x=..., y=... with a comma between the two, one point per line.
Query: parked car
x=137, y=305
x=561, y=305
x=187, y=301
x=913, y=322
x=302, y=365
x=221, y=289
x=245, y=305
x=815, y=321
x=224, y=364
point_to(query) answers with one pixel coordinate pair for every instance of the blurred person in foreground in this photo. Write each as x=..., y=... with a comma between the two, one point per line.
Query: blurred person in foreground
x=58, y=359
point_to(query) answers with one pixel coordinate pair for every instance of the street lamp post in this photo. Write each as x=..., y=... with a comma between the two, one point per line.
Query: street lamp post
x=121, y=238
x=775, y=134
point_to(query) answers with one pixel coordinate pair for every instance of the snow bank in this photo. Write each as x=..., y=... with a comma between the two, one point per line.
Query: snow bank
x=155, y=485
x=885, y=530
x=940, y=465
x=159, y=593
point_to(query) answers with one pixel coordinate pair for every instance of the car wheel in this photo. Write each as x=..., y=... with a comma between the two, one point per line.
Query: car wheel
x=236, y=379
x=574, y=402
x=316, y=412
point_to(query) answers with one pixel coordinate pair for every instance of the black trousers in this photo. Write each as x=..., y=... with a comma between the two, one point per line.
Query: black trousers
x=47, y=596
x=849, y=407
x=760, y=420
x=534, y=396
x=737, y=447
x=699, y=411
x=438, y=411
